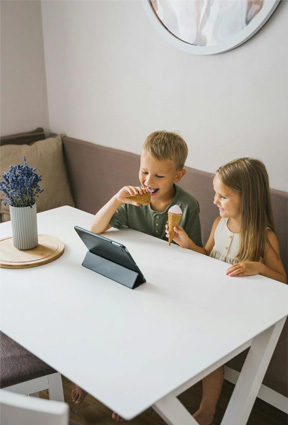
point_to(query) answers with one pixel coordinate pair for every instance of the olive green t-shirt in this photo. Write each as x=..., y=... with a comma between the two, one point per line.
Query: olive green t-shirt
x=146, y=220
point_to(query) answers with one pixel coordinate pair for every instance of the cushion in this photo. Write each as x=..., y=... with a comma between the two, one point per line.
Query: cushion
x=21, y=138
x=19, y=365
x=47, y=157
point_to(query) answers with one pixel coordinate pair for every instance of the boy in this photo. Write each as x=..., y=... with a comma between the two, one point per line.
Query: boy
x=162, y=160
x=162, y=166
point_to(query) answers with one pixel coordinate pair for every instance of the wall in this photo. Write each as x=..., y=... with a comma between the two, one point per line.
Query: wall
x=23, y=93
x=112, y=79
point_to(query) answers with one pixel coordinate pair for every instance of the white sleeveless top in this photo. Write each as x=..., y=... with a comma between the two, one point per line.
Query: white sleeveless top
x=226, y=244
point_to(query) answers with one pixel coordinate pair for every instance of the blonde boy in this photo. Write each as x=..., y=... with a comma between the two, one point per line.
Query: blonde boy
x=161, y=168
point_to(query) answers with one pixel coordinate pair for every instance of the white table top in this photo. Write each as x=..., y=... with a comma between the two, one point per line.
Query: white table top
x=129, y=348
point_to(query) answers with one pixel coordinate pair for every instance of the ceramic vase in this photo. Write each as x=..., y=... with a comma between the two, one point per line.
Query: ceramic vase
x=24, y=227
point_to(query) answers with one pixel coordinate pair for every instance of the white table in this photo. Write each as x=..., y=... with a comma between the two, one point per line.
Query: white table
x=132, y=349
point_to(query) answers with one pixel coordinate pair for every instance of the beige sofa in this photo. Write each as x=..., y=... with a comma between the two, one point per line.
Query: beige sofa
x=95, y=173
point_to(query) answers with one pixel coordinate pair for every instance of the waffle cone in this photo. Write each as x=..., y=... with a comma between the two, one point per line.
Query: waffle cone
x=141, y=199
x=173, y=220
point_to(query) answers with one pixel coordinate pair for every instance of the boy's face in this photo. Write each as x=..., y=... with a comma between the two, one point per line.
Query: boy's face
x=158, y=176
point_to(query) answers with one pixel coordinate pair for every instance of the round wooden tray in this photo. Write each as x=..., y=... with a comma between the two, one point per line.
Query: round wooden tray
x=49, y=249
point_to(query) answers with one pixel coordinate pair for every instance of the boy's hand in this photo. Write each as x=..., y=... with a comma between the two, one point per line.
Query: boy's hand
x=180, y=236
x=246, y=268
x=126, y=191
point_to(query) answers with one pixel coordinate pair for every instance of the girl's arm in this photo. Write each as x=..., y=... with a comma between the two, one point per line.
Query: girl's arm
x=102, y=218
x=272, y=266
x=211, y=242
x=182, y=239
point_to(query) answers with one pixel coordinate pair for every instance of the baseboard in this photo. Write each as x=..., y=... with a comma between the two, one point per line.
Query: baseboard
x=265, y=393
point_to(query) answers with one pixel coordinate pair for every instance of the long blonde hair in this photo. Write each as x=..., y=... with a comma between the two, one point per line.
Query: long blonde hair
x=249, y=178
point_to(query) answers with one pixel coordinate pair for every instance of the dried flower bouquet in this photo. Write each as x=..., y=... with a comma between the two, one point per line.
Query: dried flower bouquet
x=20, y=185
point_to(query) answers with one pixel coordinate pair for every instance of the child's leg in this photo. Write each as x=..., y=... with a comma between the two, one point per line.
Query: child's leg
x=117, y=418
x=78, y=394
x=211, y=389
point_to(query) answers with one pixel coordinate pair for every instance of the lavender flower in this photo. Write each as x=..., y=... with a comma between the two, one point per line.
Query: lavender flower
x=20, y=185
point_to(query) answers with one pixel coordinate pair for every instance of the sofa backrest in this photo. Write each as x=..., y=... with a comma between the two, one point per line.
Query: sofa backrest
x=96, y=173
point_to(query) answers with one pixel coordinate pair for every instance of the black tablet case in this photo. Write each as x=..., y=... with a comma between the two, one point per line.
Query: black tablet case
x=110, y=259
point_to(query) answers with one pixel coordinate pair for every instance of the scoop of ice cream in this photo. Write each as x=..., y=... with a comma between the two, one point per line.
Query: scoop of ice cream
x=175, y=209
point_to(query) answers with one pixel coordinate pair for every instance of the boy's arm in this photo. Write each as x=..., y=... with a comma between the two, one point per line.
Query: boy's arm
x=101, y=220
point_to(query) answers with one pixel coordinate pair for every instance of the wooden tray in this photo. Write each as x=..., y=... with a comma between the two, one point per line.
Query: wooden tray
x=49, y=249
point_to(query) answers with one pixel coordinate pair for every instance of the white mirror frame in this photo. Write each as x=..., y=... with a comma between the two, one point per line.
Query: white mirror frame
x=258, y=21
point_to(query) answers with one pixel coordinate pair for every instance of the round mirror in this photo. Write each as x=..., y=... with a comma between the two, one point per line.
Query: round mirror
x=209, y=26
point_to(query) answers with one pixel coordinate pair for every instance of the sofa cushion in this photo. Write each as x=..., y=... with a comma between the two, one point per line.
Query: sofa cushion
x=19, y=365
x=47, y=157
x=23, y=138
x=96, y=172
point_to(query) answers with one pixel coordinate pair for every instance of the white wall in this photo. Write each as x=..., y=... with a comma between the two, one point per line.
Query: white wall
x=112, y=79
x=23, y=93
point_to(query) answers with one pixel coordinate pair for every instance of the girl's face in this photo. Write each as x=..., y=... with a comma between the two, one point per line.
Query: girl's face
x=227, y=200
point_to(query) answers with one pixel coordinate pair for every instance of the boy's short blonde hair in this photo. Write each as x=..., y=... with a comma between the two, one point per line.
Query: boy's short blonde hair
x=167, y=145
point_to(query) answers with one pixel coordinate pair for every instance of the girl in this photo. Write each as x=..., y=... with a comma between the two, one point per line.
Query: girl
x=244, y=236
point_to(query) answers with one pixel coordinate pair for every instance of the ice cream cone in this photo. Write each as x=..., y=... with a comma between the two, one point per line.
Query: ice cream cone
x=173, y=220
x=144, y=199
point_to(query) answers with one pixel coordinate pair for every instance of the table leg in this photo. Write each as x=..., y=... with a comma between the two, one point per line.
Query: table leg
x=173, y=412
x=252, y=375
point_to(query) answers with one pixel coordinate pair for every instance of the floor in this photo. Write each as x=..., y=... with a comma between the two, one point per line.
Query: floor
x=91, y=412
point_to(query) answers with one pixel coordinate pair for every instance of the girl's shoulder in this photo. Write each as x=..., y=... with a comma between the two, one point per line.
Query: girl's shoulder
x=220, y=228
x=215, y=224
x=219, y=221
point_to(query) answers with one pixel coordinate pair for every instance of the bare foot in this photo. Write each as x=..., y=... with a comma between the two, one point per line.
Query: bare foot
x=78, y=394
x=203, y=418
x=116, y=417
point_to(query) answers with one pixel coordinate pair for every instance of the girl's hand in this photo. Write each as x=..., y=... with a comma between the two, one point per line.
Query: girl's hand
x=126, y=191
x=180, y=236
x=247, y=268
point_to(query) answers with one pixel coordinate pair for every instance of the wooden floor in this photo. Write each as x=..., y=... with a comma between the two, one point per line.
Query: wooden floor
x=91, y=412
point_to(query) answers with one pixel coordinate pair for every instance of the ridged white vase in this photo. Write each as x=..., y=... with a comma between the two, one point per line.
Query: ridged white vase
x=24, y=227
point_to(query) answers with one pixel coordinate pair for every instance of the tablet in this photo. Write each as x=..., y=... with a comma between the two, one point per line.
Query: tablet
x=110, y=258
